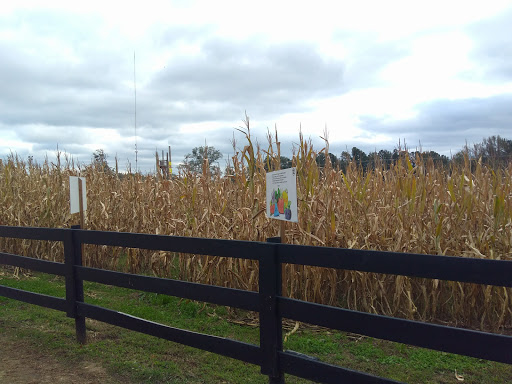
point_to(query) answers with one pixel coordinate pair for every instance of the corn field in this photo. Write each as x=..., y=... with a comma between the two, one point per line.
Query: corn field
x=464, y=210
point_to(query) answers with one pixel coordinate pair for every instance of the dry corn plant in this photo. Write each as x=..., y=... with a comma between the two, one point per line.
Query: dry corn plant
x=408, y=206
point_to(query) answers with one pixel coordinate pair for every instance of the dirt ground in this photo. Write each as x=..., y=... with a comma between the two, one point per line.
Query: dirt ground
x=21, y=363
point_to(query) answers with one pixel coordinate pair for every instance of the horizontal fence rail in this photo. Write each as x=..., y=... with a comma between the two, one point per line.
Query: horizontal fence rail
x=33, y=233
x=222, y=346
x=269, y=302
x=50, y=267
x=201, y=292
x=463, y=269
x=314, y=370
x=213, y=247
x=477, y=344
x=34, y=298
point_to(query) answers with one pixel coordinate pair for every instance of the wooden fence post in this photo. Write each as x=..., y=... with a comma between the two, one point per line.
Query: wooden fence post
x=271, y=331
x=74, y=286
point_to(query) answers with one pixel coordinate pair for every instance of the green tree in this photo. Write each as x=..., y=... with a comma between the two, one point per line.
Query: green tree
x=436, y=157
x=320, y=160
x=194, y=161
x=285, y=162
x=493, y=150
x=385, y=156
x=100, y=161
x=360, y=157
x=458, y=158
x=344, y=160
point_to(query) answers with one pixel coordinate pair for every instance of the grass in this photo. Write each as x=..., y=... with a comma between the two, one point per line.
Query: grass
x=139, y=358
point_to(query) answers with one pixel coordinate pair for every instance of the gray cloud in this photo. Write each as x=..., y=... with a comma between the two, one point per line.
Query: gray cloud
x=264, y=78
x=493, y=46
x=441, y=123
x=91, y=86
x=59, y=72
x=47, y=98
x=368, y=55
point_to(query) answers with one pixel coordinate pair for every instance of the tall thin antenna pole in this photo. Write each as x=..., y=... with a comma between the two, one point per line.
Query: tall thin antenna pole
x=135, y=111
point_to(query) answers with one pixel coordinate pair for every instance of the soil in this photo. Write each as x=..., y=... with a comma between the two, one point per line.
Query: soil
x=21, y=363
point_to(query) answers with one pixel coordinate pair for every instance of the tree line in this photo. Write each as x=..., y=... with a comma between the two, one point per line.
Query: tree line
x=493, y=150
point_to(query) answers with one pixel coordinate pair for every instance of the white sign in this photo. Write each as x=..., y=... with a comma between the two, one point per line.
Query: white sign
x=74, y=201
x=282, y=195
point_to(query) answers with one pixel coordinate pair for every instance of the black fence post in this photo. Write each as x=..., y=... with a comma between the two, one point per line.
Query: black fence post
x=74, y=286
x=271, y=331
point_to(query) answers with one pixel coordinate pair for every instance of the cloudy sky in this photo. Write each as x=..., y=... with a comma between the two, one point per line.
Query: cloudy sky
x=435, y=73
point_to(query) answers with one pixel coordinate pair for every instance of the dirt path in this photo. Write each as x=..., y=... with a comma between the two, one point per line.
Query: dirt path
x=21, y=363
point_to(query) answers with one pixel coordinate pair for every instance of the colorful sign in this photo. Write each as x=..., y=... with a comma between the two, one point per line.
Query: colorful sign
x=282, y=195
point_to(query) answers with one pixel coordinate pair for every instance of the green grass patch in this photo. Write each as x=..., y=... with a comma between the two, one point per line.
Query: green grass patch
x=139, y=358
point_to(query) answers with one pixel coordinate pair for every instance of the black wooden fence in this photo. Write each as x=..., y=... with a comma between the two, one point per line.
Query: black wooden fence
x=269, y=302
